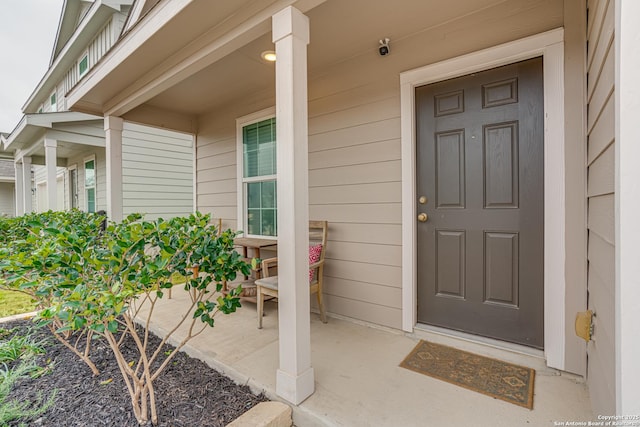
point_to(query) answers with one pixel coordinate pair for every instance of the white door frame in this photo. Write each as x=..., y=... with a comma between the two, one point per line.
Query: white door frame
x=549, y=45
x=68, y=188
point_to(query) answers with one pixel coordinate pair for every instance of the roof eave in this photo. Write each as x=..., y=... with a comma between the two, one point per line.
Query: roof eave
x=44, y=121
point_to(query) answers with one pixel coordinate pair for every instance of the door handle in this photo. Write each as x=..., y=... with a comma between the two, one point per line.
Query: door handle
x=423, y=217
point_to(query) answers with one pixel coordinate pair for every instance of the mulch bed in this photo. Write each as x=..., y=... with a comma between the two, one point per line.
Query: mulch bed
x=189, y=393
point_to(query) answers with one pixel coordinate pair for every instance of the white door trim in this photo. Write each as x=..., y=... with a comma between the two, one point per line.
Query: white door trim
x=549, y=45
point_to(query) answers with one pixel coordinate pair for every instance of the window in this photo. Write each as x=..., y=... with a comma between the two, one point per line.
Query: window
x=90, y=184
x=53, y=101
x=257, y=174
x=83, y=65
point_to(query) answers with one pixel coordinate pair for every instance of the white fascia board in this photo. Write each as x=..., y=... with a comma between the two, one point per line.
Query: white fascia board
x=96, y=17
x=20, y=127
x=3, y=144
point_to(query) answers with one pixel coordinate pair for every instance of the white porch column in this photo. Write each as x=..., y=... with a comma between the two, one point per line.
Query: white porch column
x=19, y=189
x=50, y=161
x=295, y=378
x=27, y=196
x=113, y=133
x=627, y=233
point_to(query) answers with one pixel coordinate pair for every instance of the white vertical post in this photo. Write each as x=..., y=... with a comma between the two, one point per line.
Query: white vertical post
x=113, y=132
x=27, y=196
x=50, y=160
x=19, y=193
x=295, y=377
x=627, y=235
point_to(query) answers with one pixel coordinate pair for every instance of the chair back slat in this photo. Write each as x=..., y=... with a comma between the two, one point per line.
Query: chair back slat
x=318, y=234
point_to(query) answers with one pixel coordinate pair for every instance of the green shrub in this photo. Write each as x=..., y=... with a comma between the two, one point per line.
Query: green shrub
x=90, y=281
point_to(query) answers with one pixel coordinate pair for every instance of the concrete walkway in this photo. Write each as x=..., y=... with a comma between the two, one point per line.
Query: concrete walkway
x=358, y=380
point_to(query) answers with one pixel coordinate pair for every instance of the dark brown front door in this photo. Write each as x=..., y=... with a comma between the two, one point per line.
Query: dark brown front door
x=480, y=168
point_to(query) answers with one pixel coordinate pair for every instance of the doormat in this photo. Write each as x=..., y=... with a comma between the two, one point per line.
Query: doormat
x=495, y=378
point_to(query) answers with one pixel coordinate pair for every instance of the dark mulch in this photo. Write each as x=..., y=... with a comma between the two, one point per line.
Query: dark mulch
x=188, y=392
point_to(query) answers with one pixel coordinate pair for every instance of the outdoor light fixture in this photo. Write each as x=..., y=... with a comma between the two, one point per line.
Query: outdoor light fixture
x=268, y=55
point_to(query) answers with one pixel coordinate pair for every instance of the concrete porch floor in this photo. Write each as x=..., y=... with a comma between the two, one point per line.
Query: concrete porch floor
x=358, y=380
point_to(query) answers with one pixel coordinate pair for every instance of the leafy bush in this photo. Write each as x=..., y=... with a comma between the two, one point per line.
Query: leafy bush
x=93, y=281
x=28, y=263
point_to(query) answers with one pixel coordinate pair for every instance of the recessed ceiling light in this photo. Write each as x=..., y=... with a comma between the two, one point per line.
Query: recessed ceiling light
x=269, y=55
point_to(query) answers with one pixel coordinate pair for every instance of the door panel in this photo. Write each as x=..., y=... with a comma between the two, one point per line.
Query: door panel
x=449, y=164
x=480, y=168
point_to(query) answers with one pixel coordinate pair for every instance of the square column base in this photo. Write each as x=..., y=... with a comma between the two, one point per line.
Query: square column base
x=295, y=389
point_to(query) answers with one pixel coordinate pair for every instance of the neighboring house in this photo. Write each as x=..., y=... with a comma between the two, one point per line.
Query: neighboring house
x=66, y=150
x=481, y=116
x=7, y=185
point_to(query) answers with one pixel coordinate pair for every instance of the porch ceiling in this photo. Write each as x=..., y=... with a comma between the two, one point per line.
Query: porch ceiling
x=64, y=150
x=340, y=31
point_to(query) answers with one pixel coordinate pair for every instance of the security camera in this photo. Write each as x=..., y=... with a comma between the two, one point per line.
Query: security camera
x=383, y=49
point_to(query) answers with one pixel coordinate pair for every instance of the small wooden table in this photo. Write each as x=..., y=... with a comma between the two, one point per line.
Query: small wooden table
x=255, y=244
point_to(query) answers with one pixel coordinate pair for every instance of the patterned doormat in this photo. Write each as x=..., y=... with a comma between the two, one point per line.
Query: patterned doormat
x=500, y=380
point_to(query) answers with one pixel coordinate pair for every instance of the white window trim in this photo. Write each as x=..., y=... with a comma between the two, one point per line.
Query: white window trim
x=241, y=122
x=549, y=45
x=68, y=186
x=84, y=181
x=53, y=107
x=84, y=55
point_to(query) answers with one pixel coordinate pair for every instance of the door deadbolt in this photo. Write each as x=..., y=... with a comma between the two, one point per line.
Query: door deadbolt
x=422, y=200
x=423, y=217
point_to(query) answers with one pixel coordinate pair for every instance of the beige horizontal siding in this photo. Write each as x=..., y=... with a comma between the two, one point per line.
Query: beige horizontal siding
x=601, y=174
x=361, y=233
x=601, y=199
x=602, y=90
x=602, y=133
x=378, y=192
x=365, y=272
x=372, y=213
x=359, y=309
x=365, y=291
x=382, y=130
x=216, y=174
x=159, y=164
x=368, y=173
x=601, y=217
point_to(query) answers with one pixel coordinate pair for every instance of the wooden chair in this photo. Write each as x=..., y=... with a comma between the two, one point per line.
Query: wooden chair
x=268, y=285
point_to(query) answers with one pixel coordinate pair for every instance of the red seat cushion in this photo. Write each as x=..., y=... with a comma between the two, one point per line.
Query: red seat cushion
x=314, y=256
